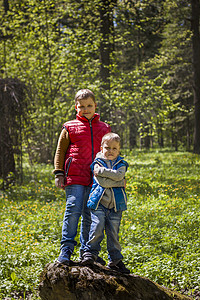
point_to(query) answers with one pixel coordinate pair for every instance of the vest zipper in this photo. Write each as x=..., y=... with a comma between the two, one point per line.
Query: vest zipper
x=115, y=206
x=91, y=131
x=100, y=200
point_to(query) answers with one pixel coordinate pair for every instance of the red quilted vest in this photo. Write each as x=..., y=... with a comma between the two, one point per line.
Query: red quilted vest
x=85, y=136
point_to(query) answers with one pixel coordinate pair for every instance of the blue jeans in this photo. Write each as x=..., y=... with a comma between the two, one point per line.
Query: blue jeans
x=107, y=219
x=76, y=206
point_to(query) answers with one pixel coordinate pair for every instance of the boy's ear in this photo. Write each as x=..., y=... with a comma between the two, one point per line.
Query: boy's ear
x=75, y=107
x=101, y=148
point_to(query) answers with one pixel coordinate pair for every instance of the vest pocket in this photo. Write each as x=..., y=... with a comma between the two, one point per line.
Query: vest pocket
x=67, y=165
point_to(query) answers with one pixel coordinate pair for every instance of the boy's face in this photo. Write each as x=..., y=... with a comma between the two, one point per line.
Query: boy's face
x=110, y=149
x=86, y=108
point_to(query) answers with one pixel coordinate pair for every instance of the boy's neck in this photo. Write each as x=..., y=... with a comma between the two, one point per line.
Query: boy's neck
x=109, y=159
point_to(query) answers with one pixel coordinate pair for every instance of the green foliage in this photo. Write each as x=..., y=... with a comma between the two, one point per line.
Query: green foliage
x=55, y=49
x=159, y=233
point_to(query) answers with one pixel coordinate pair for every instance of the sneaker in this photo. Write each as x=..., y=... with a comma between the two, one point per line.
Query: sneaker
x=64, y=257
x=119, y=267
x=100, y=261
x=87, y=259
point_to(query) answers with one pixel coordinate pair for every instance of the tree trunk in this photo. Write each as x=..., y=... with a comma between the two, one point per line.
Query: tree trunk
x=132, y=133
x=59, y=282
x=196, y=68
x=105, y=43
x=6, y=5
x=106, y=48
x=160, y=135
x=188, y=133
x=7, y=161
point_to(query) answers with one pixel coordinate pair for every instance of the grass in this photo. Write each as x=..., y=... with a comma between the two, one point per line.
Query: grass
x=159, y=231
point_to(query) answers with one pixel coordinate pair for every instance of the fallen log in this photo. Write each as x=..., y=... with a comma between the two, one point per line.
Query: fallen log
x=60, y=282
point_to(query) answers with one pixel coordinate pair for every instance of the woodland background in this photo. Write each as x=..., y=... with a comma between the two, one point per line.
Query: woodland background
x=141, y=58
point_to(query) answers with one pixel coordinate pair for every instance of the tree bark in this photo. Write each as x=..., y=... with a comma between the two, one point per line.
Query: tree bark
x=6, y=5
x=105, y=51
x=106, y=47
x=132, y=132
x=196, y=68
x=60, y=282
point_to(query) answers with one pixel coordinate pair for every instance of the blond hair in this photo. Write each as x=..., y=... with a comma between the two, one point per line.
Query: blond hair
x=111, y=136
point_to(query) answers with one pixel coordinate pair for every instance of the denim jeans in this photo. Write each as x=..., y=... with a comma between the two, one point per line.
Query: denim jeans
x=107, y=219
x=76, y=206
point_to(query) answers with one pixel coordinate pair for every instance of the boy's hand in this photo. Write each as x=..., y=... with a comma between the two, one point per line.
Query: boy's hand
x=59, y=181
x=95, y=173
x=96, y=169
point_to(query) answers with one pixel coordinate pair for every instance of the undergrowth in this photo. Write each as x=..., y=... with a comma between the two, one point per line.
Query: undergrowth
x=159, y=233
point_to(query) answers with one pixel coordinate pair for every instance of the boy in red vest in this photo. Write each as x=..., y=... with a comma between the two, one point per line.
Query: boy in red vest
x=78, y=144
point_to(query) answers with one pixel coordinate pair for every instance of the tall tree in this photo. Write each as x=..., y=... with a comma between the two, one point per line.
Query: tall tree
x=13, y=109
x=106, y=48
x=137, y=30
x=196, y=68
x=135, y=56
x=173, y=62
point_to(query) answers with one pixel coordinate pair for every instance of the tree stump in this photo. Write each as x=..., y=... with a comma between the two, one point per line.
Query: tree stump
x=60, y=282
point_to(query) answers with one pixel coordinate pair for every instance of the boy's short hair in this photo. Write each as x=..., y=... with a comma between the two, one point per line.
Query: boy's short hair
x=111, y=136
x=84, y=94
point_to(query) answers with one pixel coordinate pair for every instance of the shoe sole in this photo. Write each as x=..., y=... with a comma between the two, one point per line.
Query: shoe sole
x=88, y=262
x=66, y=263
